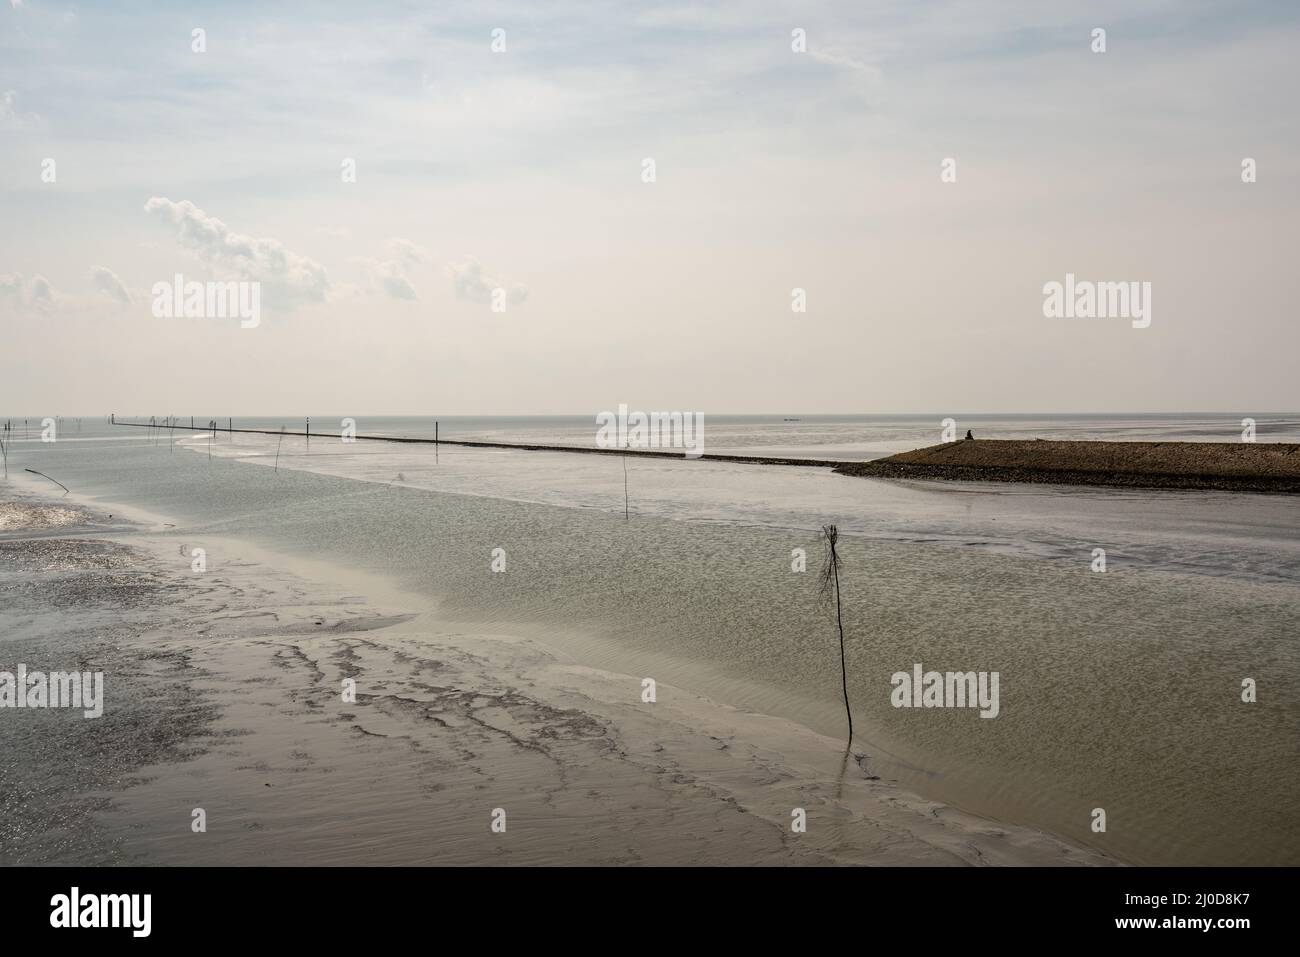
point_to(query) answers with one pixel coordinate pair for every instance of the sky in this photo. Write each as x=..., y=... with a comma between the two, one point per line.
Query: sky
x=504, y=147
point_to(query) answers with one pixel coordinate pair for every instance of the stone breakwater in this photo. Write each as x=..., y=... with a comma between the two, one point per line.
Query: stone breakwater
x=1225, y=466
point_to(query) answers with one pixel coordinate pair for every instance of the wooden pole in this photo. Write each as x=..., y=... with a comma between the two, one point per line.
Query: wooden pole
x=831, y=578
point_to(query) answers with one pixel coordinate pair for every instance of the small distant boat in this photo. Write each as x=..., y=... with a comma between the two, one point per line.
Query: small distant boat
x=792, y=420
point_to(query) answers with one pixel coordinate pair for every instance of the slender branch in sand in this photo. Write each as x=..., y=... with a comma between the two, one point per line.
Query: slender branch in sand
x=830, y=582
x=625, y=486
x=277, y=449
x=54, y=480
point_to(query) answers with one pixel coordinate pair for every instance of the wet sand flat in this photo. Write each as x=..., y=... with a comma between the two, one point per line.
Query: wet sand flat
x=1120, y=690
x=225, y=695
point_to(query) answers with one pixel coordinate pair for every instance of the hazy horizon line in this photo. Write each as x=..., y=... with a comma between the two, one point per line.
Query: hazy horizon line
x=583, y=414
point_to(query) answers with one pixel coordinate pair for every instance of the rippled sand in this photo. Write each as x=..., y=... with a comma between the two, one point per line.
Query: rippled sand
x=224, y=693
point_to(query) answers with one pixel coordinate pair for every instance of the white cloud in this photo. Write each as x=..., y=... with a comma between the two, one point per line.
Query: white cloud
x=389, y=276
x=287, y=277
x=845, y=61
x=107, y=282
x=409, y=252
x=471, y=282
x=22, y=293
x=9, y=115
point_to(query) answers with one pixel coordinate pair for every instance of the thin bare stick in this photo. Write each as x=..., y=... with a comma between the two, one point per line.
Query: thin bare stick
x=54, y=480
x=830, y=581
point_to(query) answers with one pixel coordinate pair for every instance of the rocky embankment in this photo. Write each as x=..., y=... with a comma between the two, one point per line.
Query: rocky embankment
x=1226, y=466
